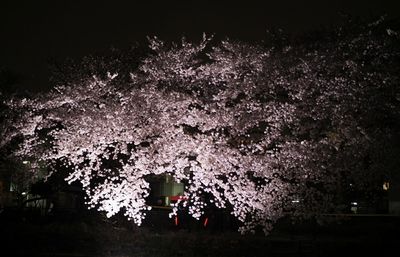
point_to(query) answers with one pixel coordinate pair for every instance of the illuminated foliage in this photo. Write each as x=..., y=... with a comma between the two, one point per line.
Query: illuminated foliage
x=260, y=131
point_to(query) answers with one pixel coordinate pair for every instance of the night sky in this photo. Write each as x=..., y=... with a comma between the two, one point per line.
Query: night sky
x=34, y=32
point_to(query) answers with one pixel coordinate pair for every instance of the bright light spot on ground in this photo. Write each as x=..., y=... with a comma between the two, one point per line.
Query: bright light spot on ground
x=385, y=186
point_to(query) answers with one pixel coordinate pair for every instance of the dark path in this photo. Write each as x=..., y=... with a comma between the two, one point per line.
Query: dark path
x=359, y=236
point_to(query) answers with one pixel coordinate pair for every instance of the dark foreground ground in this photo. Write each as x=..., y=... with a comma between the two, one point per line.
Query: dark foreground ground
x=96, y=236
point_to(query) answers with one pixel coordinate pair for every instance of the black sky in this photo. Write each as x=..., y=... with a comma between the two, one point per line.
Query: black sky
x=32, y=32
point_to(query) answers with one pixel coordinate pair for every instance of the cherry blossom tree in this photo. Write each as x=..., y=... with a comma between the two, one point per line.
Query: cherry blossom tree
x=261, y=131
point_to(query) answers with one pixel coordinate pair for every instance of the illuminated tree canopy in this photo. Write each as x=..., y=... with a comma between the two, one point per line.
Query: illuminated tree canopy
x=262, y=131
